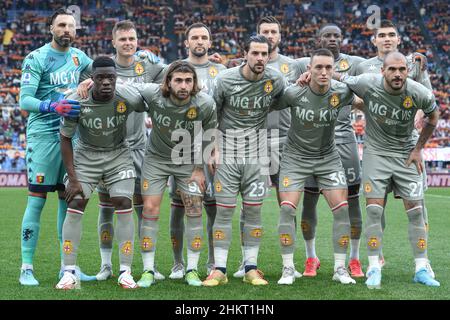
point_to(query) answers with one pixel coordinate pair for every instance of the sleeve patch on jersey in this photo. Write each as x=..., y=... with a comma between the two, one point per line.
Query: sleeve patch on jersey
x=268, y=86
x=139, y=69
x=121, y=107
x=284, y=68
x=334, y=100
x=343, y=65
x=26, y=78
x=408, y=102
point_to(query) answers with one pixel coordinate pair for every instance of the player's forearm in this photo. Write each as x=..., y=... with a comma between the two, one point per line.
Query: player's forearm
x=28, y=102
x=67, y=157
x=427, y=130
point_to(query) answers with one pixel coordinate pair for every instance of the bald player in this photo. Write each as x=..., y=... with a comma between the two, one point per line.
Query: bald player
x=330, y=37
x=386, y=39
x=393, y=158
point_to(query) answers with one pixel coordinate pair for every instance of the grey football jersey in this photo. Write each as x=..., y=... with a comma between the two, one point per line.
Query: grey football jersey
x=207, y=74
x=390, y=118
x=314, y=118
x=141, y=71
x=344, y=64
x=281, y=119
x=102, y=125
x=243, y=105
x=167, y=117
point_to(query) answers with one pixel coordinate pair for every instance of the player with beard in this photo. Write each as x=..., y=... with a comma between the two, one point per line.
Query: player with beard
x=198, y=42
x=391, y=101
x=243, y=95
x=47, y=73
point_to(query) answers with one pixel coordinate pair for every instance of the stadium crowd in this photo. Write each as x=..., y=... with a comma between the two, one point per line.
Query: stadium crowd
x=23, y=28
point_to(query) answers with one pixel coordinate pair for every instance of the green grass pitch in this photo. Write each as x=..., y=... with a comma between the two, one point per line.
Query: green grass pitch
x=397, y=275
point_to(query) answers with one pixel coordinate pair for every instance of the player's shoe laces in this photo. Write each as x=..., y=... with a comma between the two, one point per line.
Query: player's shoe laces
x=27, y=278
x=430, y=270
x=193, y=279
x=104, y=273
x=147, y=279
x=373, y=278
x=215, y=278
x=159, y=275
x=241, y=271
x=177, y=271
x=288, y=276
x=423, y=276
x=126, y=281
x=355, y=268
x=69, y=281
x=255, y=277
x=311, y=267
x=341, y=275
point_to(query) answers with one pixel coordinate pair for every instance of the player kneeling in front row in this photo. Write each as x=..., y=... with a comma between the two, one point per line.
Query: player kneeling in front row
x=311, y=151
x=101, y=154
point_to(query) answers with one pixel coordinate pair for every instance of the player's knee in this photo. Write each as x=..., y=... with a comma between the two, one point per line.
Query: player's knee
x=287, y=211
x=77, y=204
x=193, y=204
x=104, y=197
x=374, y=212
x=121, y=203
x=150, y=211
x=411, y=204
x=415, y=215
x=353, y=191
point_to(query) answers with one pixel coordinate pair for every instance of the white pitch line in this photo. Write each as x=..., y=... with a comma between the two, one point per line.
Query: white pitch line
x=436, y=196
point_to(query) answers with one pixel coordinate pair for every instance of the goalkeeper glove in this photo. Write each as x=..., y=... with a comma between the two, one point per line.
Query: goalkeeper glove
x=65, y=108
x=145, y=54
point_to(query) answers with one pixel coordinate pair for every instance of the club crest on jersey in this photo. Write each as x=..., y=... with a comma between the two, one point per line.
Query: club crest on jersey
x=121, y=107
x=67, y=247
x=422, y=244
x=367, y=187
x=408, y=102
x=146, y=244
x=219, y=235
x=344, y=240
x=75, y=60
x=191, y=114
x=286, y=182
x=256, y=233
x=40, y=177
x=127, y=248
x=373, y=242
x=106, y=236
x=218, y=186
x=268, y=86
x=213, y=71
x=284, y=68
x=145, y=184
x=196, y=243
x=139, y=69
x=334, y=100
x=285, y=239
x=343, y=65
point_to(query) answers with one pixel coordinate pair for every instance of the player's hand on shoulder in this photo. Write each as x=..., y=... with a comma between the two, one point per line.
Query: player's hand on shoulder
x=83, y=88
x=216, y=58
x=150, y=56
x=304, y=79
x=422, y=59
